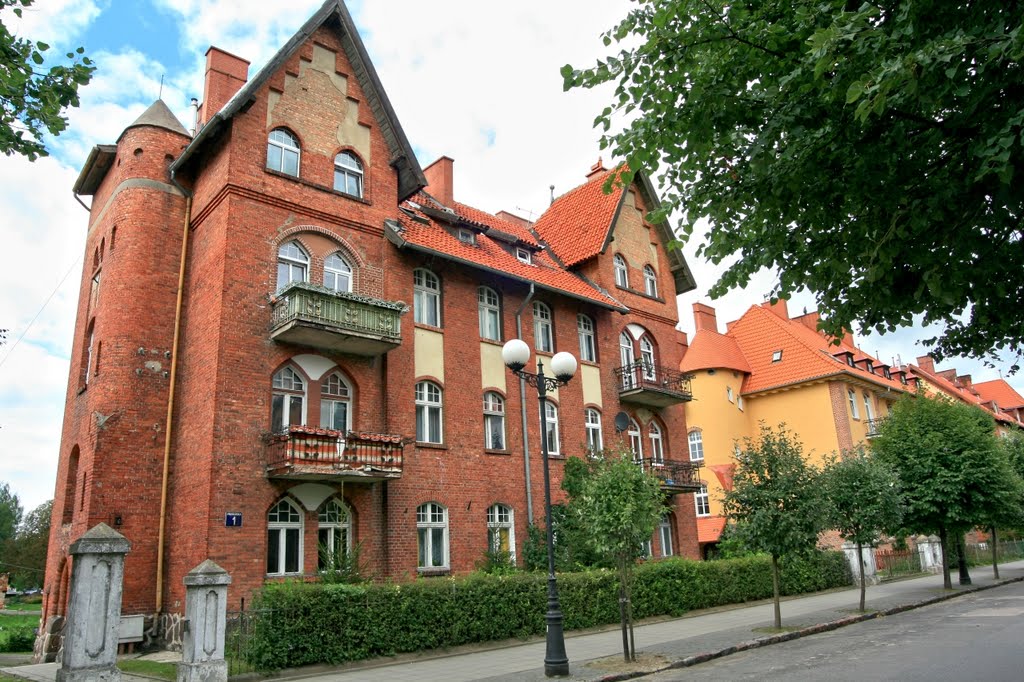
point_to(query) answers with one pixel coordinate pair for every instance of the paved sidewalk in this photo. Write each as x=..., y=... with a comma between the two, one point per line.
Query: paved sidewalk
x=666, y=643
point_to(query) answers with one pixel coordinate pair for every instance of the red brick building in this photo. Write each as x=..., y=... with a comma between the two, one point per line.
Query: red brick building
x=289, y=336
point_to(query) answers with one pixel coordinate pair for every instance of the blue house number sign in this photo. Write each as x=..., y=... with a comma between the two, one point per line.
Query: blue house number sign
x=233, y=519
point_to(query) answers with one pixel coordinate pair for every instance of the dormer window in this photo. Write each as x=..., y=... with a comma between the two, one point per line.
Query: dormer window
x=524, y=255
x=849, y=360
x=466, y=236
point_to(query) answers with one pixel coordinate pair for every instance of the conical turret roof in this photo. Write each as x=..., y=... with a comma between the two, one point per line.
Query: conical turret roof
x=159, y=115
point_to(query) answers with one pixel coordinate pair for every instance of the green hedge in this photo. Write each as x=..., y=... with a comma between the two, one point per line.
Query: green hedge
x=301, y=624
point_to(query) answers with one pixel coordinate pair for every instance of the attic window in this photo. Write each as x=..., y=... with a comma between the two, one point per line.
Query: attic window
x=777, y=356
x=849, y=360
x=903, y=379
x=885, y=371
x=524, y=255
x=466, y=236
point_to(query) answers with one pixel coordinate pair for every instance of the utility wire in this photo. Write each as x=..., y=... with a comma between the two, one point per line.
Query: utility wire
x=45, y=303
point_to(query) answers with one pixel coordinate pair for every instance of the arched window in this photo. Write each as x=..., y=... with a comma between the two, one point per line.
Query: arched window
x=657, y=445
x=592, y=421
x=426, y=297
x=288, y=400
x=292, y=264
x=429, y=425
x=334, y=537
x=543, y=333
x=585, y=329
x=621, y=271
x=551, y=427
x=336, y=403
x=665, y=535
x=348, y=174
x=489, y=309
x=284, y=539
x=648, y=358
x=628, y=358
x=501, y=538
x=494, y=421
x=283, y=152
x=337, y=273
x=696, y=439
x=636, y=441
x=432, y=535
x=650, y=281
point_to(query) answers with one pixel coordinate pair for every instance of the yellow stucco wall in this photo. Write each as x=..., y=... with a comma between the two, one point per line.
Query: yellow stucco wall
x=590, y=376
x=492, y=368
x=430, y=353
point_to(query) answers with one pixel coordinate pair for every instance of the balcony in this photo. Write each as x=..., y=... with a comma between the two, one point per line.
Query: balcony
x=652, y=386
x=676, y=476
x=336, y=321
x=306, y=453
x=874, y=426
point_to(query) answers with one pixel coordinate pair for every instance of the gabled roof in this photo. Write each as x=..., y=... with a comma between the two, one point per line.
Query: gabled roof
x=1001, y=392
x=711, y=350
x=332, y=13
x=946, y=386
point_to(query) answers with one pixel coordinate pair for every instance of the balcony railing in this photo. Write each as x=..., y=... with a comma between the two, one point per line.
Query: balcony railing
x=309, y=453
x=652, y=385
x=308, y=315
x=874, y=426
x=676, y=476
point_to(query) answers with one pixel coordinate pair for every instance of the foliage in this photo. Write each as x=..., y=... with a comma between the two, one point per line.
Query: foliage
x=572, y=551
x=497, y=562
x=10, y=513
x=158, y=669
x=33, y=96
x=17, y=633
x=856, y=147
x=731, y=545
x=24, y=555
x=343, y=565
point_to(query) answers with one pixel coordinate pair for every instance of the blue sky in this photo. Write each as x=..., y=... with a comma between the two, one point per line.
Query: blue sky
x=477, y=81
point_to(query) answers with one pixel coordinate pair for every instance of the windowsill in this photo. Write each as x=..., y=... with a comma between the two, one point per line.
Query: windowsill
x=590, y=363
x=431, y=446
x=434, y=571
x=493, y=342
x=312, y=185
x=556, y=457
x=637, y=292
x=500, y=453
x=424, y=325
x=696, y=461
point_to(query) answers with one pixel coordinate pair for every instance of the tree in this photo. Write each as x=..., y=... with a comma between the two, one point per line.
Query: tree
x=25, y=554
x=33, y=96
x=619, y=505
x=947, y=458
x=10, y=514
x=774, y=501
x=857, y=147
x=1009, y=513
x=864, y=498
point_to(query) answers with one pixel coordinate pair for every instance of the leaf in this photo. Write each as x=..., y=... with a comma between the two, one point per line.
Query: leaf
x=854, y=92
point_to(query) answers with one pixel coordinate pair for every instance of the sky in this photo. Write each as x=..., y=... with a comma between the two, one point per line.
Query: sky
x=476, y=81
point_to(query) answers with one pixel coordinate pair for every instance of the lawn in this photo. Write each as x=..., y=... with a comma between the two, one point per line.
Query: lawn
x=23, y=606
x=18, y=625
x=166, y=671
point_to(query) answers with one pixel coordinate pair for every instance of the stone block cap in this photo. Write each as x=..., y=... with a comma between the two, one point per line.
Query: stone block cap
x=207, y=573
x=101, y=539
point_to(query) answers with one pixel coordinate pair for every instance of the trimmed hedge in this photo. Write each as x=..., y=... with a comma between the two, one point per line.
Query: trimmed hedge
x=302, y=624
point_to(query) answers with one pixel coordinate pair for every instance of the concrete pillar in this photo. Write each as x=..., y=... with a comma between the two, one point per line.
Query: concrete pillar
x=930, y=550
x=865, y=563
x=94, y=608
x=206, y=602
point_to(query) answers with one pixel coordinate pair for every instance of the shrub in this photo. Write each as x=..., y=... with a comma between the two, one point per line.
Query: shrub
x=17, y=638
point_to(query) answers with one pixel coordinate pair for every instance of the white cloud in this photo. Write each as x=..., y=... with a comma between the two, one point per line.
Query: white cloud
x=57, y=22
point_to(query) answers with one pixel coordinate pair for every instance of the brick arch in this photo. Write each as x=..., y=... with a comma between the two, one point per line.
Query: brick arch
x=292, y=233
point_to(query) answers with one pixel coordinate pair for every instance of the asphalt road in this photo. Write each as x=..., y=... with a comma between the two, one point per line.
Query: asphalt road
x=977, y=637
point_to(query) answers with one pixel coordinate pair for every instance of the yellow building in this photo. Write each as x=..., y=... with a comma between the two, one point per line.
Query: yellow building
x=995, y=397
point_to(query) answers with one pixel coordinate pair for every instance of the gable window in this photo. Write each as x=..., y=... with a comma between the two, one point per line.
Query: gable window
x=333, y=535
x=283, y=152
x=543, y=336
x=585, y=330
x=501, y=537
x=337, y=273
x=426, y=297
x=489, y=308
x=284, y=539
x=288, y=400
x=432, y=535
x=621, y=271
x=636, y=441
x=702, y=502
x=524, y=255
x=348, y=174
x=657, y=445
x=650, y=282
x=592, y=421
x=428, y=412
x=665, y=535
x=335, y=403
x=852, y=397
x=696, y=440
x=551, y=427
x=494, y=421
x=292, y=264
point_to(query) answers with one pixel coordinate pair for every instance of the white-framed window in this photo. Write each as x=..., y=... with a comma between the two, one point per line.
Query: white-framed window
x=852, y=397
x=466, y=236
x=869, y=412
x=284, y=539
x=501, y=531
x=636, y=440
x=283, y=152
x=287, y=400
x=432, y=535
x=777, y=356
x=729, y=395
x=494, y=421
x=334, y=536
x=650, y=282
x=348, y=174
x=524, y=255
x=646, y=549
x=489, y=308
x=657, y=443
x=665, y=536
x=292, y=264
x=89, y=347
x=551, y=427
x=621, y=271
x=648, y=358
x=429, y=406
x=628, y=358
x=701, y=501
x=592, y=422
x=585, y=329
x=337, y=273
x=426, y=297
x=543, y=332
x=335, y=403
x=696, y=440
x=739, y=402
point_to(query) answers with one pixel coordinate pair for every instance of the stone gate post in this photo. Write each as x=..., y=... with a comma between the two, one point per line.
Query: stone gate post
x=206, y=599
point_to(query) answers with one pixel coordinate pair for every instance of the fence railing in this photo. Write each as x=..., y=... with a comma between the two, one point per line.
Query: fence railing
x=679, y=476
x=874, y=426
x=303, y=446
x=893, y=563
x=643, y=375
x=338, y=311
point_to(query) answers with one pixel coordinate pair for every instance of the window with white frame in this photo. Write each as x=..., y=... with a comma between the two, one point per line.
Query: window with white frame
x=543, y=333
x=648, y=358
x=696, y=440
x=429, y=412
x=739, y=402
x=292, y=264
x=489, y=309
x=426, y=297
x=335, y=403
x=852, y=397
x=494, y=421
x=657, y=444
x=432, y=535
x=636, y=440
x=869, y=412
x=592, y=422
x=621, y=271
x=284, y=539
x=466, y=236
x=650, y=282
x=551, y=427
x=334, y=537
x=337, y=273
x=628, y=358
x=348, y=174
x=665, y=536
x=283, y=152
x=89, y=348
x=702, y=502
x=646, y=549
x=287, y=400
x=585, y=329
x=729, y=394
x=501, y=536
x=524, y=255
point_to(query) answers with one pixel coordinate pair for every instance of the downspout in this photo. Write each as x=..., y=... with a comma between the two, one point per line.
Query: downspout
x=522, y=408
x=170, y=398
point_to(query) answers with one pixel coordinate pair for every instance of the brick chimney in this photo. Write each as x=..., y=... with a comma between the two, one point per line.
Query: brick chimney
x=597, y=168
x=926, y=363
x=513, y=218
x=704, y=317
x=809, y=320
x=225, y=75
x=779, y=308
x=440, y=183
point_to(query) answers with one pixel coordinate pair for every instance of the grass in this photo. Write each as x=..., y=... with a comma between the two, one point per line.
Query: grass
x=23, y=606
x=164, y=671
x=20, y=623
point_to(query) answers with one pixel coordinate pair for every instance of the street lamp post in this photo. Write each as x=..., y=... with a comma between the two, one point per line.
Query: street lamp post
x=515, y=355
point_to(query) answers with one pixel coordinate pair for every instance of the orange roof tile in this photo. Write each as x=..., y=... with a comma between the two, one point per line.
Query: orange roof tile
x=576, y=224
x=709, y=528
x=1001, y=392
x=951, y=389
x=713, y=350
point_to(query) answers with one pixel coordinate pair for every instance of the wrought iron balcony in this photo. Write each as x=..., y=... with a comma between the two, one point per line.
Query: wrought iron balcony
x=874, y=426
x=306, y=453
x=676, y=476
x=308, y=315
x=651, y=385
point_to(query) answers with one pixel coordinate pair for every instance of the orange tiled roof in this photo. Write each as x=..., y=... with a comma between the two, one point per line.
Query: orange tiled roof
x=479, y=217
x=709, y=528
x=1001, y=392
x=713, y=350
x=951, y=389
x=576, y=225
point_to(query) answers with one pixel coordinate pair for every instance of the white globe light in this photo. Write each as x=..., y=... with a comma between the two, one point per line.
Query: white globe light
x=563, y=365
x=515, y=354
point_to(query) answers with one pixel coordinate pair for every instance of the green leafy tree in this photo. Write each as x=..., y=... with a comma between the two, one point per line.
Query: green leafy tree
x=774, y=501
x=34, y=96
x=10, y=514
x=25, y=553
x=948, y=461
x=864, y=498
x=857, y=147
x=1007, y=512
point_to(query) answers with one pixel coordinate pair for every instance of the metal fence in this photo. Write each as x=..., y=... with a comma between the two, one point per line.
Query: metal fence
x=981, y=554
x=237, y=634
x=895, y=563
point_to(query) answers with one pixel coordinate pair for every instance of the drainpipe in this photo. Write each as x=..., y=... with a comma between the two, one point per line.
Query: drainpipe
x=522, y=409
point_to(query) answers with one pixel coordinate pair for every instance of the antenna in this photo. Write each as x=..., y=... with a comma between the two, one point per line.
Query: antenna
x=552, y=188
x=161, y=95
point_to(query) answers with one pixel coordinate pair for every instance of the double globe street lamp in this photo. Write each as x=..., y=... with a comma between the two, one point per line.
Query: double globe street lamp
x=515, y=354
